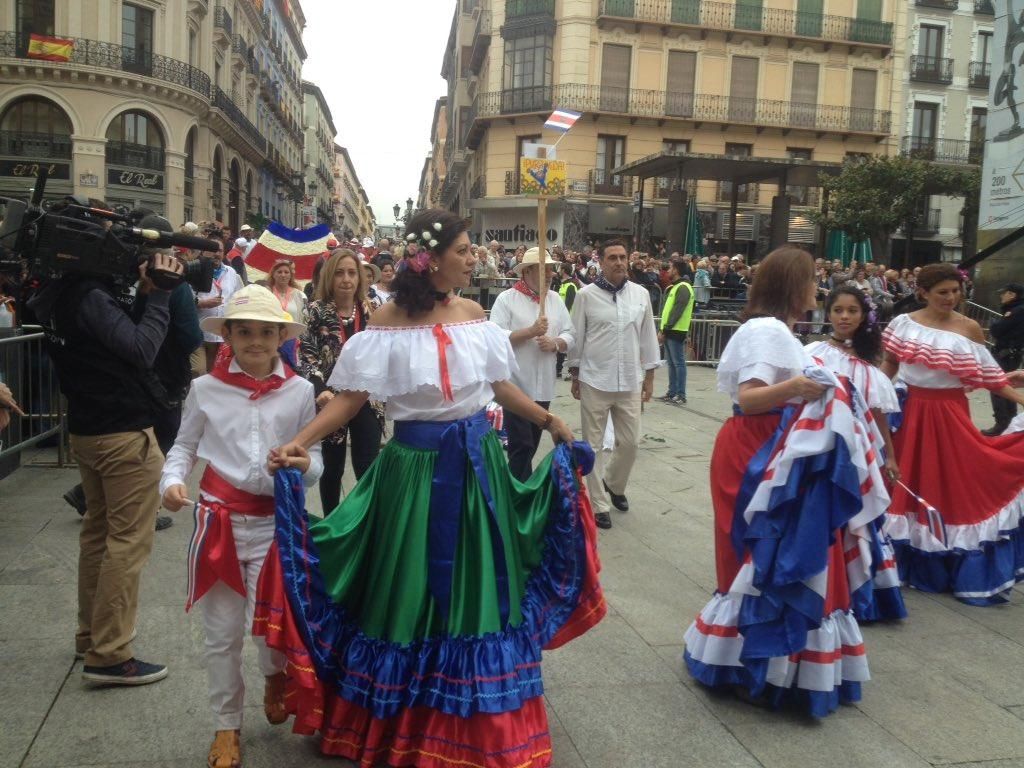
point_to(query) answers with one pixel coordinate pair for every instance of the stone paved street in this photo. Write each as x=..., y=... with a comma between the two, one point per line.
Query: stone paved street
x=948, y=687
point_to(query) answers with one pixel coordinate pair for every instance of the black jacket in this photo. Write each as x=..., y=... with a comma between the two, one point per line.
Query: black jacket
x=1008, y=331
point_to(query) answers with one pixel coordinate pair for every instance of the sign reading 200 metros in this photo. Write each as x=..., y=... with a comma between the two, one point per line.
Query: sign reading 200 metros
x=1002, y=191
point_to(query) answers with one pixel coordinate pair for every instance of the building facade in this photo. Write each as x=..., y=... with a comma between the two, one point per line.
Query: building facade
x=319, y=158
x=148, y=104
x=354, y=216
x=801, y=79
x=944, y=109
x=434, y=170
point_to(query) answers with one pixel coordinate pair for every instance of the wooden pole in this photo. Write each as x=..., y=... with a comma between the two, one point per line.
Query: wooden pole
x=542, y=243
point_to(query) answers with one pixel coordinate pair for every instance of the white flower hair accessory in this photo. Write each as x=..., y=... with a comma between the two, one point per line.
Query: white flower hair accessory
x=428, y=238
x=437, y=226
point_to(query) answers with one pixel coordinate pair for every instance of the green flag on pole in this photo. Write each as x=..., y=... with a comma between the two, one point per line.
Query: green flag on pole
x=839, y=247
x=693, y=242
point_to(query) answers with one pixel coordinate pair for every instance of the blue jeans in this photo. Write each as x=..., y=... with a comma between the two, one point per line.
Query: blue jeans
x=675, y=354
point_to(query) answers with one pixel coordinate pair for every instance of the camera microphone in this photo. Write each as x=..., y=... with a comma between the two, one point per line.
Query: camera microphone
x=170, y=239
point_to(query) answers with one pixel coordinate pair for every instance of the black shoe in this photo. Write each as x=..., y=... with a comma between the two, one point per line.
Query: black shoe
x=618, y=501
x=163, y=522
x=76, y=498
x=995, y=431
x=603, y=520
x=679, y=400
x=666, y=398
x=131, y=672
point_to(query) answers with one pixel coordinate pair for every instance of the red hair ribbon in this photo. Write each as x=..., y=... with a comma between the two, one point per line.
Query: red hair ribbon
x=443, y=341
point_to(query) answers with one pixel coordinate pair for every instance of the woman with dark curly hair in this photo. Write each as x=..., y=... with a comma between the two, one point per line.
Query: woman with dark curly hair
x=854, y=349
x=414, y=616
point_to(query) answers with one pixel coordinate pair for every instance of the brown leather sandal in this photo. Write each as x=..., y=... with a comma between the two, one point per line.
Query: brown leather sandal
x=273, y=699
x=226, y=750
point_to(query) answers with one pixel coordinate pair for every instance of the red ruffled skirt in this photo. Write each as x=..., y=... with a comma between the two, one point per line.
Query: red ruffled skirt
x=971, y=541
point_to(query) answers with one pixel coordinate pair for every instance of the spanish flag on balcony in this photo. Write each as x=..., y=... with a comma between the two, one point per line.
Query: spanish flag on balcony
x=50, y=48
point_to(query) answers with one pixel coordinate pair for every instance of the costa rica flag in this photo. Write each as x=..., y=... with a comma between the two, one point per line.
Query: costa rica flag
x=301, y=246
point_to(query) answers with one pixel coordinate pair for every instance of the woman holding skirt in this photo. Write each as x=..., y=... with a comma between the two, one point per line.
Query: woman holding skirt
x=971, y=543
x=797, y=467
x=415, y=615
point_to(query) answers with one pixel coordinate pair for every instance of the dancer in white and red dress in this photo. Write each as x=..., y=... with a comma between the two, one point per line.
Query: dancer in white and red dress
x=793, y=470
x=974, y=546
x=853, y=349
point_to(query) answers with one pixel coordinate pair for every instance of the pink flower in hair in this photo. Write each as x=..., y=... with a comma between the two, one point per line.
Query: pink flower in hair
x=420, y=261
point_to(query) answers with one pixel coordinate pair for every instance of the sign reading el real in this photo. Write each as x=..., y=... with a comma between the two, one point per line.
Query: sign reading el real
x=138, y=179
x=23, y=169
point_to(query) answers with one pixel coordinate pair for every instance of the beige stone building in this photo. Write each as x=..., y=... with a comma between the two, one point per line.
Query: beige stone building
x=944, y=87
x=802, y=79
x=433, y=174
x=189, y=107
x=354, y=216
x=319, y=158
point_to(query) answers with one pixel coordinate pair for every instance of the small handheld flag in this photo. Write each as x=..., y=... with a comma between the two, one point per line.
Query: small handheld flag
x=562, y=120
x=302, y=246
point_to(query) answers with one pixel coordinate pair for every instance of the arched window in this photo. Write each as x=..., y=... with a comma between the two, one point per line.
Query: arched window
x=134, y=141
x=217, y=183
x=190, y=162
x=33, y=127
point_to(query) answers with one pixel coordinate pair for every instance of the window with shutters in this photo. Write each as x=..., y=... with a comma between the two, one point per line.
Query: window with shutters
x=32, y=16
x=809, y=17
x=862, y=99
x=527, y=74
x=137, y=38
x=611, y=153
x=744, y=192
x=743, y=89
x=513, y=188
x=803, y=106
x=748, y=14
x=615, y=72
x=665, y=185
x=925, y=126
x=682, y=70
x=867, y=27
x=979, y=119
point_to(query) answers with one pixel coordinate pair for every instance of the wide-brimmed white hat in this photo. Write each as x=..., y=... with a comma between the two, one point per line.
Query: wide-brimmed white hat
x=374, y=270
x=254, y=302
x=532, y=259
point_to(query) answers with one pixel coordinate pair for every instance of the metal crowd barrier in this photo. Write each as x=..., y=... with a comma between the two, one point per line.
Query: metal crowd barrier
x=708, y=337
x=26, y=369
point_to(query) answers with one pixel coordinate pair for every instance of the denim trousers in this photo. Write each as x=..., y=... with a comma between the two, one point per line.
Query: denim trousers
x=675, y=355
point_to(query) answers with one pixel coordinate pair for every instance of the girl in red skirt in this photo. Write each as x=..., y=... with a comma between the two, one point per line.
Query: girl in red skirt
x=972, y=543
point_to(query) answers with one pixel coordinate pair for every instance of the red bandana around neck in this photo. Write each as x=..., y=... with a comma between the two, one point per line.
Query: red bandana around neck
x=222, y=372
x=526, y=290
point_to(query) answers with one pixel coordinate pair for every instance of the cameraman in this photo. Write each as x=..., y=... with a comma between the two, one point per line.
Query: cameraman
x=104, y=363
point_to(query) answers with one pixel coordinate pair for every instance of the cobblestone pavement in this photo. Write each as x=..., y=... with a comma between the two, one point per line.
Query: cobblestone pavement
x=948, y=685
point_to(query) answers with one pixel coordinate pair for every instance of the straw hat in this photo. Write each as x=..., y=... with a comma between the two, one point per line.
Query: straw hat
x=254, y=302
x=532, y=259
x=374, y=270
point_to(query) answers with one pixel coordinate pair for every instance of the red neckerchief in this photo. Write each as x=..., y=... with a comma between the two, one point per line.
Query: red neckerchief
x=526, y=290
x=222, y=372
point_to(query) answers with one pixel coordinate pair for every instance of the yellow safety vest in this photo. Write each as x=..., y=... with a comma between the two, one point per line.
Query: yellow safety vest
x=683, y=324
x=563, y=290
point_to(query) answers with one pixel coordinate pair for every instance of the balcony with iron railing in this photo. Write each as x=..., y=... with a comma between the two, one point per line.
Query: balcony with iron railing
x=129, y=155
x=927, y=222
x=604, y=183
x=947, y=151
x=946, y=5
x=984, y=7
x=661, y=105
x=94, y=53
x=931, y=69
x=481, y=41
x=239, y=47
x=222, y=23
x=515, y=9
x=664, y=187
x=28, y=145
x=479, y=188
x=730, y=17
x=979, y=74
x=237, y=118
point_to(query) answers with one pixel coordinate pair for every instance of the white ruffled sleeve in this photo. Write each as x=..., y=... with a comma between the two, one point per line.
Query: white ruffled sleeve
x=938, y=350
x=763, y=349
x=882, y=393
x=387, y=362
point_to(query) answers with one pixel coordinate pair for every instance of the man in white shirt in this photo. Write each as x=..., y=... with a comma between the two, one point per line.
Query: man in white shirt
x=612, y=367
x=536, y=341
x=226, y=283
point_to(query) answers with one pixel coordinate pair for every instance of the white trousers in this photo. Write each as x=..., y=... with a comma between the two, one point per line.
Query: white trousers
x=614, y=467
x=227, y=619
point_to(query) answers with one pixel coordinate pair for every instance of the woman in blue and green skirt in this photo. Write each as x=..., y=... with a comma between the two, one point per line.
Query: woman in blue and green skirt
x=414, y=615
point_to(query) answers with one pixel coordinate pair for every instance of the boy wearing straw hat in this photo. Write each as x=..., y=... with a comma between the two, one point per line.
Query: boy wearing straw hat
x=537, y=338
x=248, y=404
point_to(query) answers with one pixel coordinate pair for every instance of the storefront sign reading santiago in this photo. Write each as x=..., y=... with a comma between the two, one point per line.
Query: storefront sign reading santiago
x=140, y=179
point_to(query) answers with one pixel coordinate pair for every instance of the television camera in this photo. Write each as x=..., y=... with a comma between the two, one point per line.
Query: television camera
x=72, y=237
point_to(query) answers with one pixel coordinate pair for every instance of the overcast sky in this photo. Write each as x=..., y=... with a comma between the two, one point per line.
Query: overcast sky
x=378, y=63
